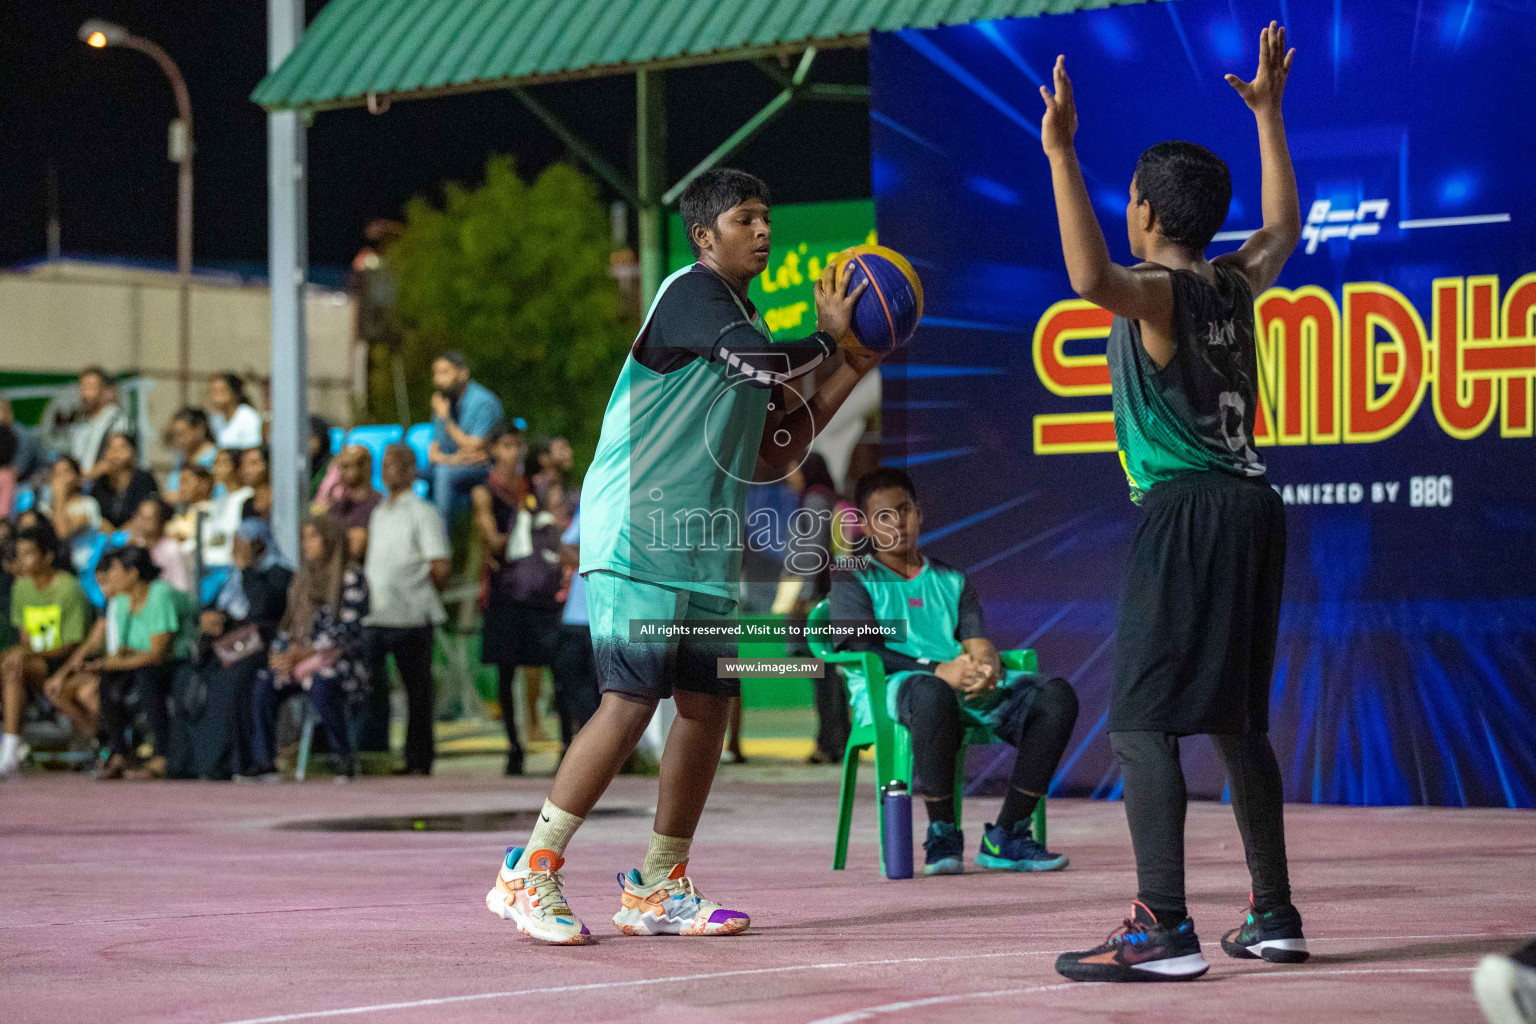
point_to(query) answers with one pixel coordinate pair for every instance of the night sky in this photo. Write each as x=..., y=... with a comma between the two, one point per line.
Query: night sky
x=100, y=117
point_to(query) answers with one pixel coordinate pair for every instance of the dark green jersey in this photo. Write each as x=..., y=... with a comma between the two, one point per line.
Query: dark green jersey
x=665, y=496
x=1195, y=414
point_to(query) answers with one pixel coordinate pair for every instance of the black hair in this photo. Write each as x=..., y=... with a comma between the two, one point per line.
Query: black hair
x=9, y=444
x=161, y=508
x=201, y=472
x=714, y=192
x=455, y=357
x=878, y=479
x=266, y=459
x=74, y=463
x=320, y=429
x=134, y=559
x=236, y=384
x=132, y=441
x=500, y=431
x=195, y=418
x=1189, y=189
x=99, y=373
x=42, y=535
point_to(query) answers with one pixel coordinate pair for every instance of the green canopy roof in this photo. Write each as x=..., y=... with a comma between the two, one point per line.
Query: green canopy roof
x=409, y=48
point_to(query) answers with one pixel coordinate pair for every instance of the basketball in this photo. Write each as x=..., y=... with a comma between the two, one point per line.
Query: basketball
x=888, y=312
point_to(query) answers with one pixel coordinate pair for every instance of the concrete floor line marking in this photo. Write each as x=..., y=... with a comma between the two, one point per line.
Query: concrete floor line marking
x=630, y=983
x=1303, y=972
x=869, y=1012
x=1397, y=938
x=852, y=1016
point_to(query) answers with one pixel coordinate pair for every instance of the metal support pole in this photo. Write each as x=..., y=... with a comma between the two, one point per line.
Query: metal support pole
x=181, y=152
x=287, y=269
x=184, y=268
x=740, y=137
x=795, y=88
x=651, y=176
x=602, y=168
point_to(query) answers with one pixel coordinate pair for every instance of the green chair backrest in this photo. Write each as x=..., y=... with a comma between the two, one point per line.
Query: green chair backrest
x=820, y=615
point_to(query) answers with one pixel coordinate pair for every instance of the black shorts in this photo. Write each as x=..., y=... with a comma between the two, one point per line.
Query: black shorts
x=1196, y=644
x=52, y=660
x=653, y=670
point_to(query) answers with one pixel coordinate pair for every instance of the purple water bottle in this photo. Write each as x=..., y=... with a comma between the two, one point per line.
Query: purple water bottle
x=896, y=829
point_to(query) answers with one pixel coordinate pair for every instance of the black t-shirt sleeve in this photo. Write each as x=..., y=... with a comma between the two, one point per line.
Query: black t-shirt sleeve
x=698, y=318
x=972, y=622
x=850, y=602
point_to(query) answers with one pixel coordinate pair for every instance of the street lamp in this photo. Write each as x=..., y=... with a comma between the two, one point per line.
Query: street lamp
x=99, y=35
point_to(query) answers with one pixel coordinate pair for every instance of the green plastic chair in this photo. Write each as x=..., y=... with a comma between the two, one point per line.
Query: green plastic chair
x=892, y=742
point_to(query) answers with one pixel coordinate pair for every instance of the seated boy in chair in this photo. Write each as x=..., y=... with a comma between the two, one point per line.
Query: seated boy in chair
x=944, y=673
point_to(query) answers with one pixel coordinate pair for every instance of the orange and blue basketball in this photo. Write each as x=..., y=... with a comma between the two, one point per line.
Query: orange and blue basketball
x=888, y=312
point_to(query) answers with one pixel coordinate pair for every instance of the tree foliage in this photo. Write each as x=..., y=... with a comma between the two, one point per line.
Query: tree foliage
x=516, y=275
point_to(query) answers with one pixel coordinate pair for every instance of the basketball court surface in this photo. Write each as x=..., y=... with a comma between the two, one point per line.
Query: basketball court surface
x=210, y=903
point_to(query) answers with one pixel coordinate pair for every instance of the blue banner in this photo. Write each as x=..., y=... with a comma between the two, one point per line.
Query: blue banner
x=1397, y=360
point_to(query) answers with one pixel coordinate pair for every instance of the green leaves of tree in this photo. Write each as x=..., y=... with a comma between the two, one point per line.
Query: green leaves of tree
x=516, y=275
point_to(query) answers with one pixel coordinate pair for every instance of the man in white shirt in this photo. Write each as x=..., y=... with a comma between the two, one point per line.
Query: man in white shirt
x=407, y=564
x=97, y=417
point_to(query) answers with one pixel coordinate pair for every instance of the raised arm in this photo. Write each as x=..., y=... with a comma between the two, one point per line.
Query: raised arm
x=1266, y=250
x=1139, y=293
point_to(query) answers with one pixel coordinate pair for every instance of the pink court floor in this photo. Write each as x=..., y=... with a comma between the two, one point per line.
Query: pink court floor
x=185, y=902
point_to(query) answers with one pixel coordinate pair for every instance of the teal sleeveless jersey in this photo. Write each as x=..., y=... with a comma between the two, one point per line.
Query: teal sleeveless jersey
x=930, y=604
x=665, y=496
x=1196, y=414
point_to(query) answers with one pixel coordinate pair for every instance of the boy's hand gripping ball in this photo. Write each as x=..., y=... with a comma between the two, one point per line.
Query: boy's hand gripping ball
x=888, y=312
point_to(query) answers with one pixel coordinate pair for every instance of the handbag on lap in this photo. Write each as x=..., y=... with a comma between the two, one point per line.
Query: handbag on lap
x=239, y=644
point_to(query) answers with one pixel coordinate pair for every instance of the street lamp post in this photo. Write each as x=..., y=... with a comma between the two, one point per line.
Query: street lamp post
x=99, y=35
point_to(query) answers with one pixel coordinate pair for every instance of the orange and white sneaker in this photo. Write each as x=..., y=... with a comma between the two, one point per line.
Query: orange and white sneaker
x=672, y=907
x=532, y=900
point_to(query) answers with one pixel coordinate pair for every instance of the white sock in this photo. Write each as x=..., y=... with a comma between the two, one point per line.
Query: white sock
x=9, y=743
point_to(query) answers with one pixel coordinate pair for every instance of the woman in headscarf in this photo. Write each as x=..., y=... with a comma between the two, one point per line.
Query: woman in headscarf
x=237, y=628
x=318, y=650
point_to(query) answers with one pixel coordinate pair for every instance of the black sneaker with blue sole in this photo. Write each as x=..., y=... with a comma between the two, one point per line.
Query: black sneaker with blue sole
x=1016, y=851
x=943, y=849
x=1273, y=935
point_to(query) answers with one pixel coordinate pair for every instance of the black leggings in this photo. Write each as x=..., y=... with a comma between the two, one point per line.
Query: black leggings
x=1155, y=801
x=151, y=687
x=930, y=710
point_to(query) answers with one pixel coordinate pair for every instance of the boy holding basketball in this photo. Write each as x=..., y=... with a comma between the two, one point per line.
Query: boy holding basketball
x=700, y=410
x=1196, y=641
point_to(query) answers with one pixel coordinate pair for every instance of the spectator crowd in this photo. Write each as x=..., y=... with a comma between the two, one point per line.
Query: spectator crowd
x=155, y=627
x=156, y=623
